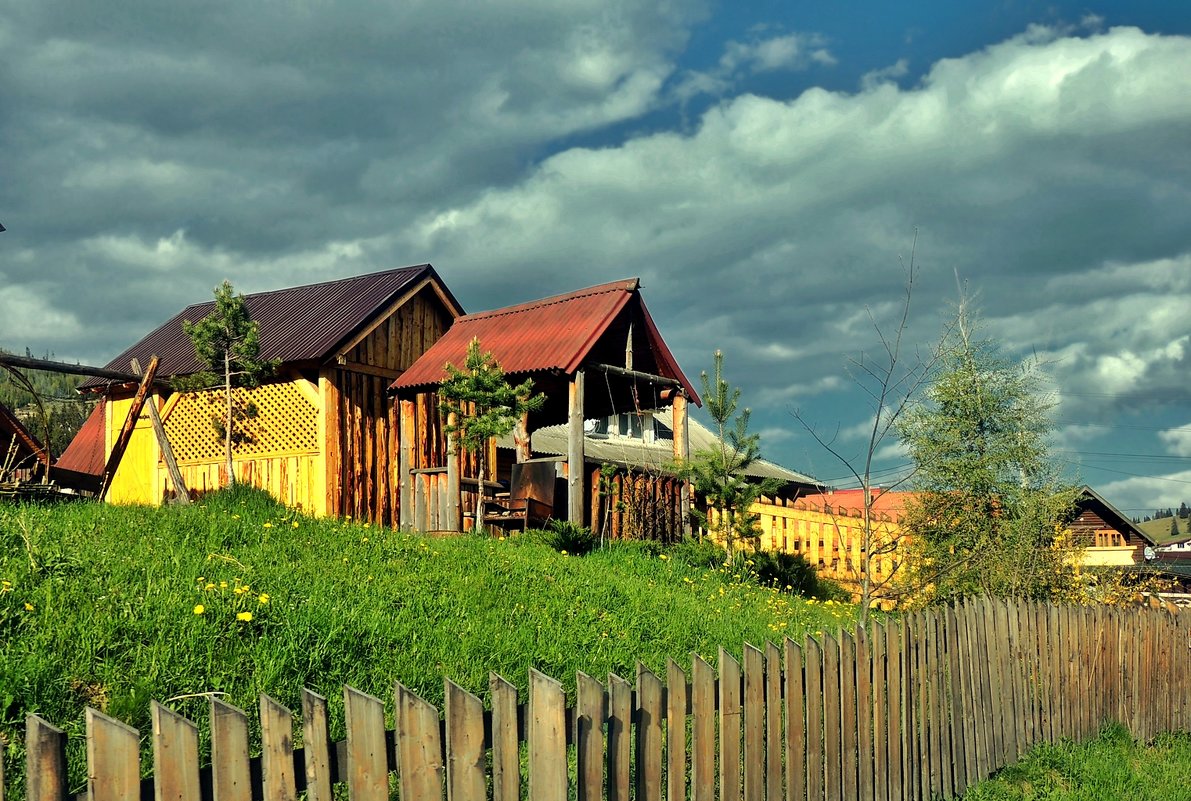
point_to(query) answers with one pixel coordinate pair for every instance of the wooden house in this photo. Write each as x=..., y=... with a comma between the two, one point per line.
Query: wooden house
x=1107, y=536
x=324, y=436
x=593, y=353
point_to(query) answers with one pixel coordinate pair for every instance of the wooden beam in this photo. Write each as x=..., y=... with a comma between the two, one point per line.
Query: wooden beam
x=405, y=462
x=369, y=369
x=682, y=452
x=69, y=369
x=656, y=379
x=575, y=450
x=121, y=443
x=167, y=453
x=521, y=439
x=453, y=522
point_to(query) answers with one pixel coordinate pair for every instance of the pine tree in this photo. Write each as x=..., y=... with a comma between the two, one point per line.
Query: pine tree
x=990, y=505
x=718, y=472
x=228, y=342
x=484, y=405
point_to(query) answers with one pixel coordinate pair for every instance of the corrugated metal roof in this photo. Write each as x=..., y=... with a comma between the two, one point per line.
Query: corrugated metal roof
x=296, y=324
x=13, y=429
x=85, y=453
x=552, y=334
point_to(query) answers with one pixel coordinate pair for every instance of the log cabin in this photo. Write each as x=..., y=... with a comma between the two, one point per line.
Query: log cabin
x=323, y=437
x=593, y=353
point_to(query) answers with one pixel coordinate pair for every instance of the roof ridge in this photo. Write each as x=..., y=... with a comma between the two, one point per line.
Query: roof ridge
x=623, y=285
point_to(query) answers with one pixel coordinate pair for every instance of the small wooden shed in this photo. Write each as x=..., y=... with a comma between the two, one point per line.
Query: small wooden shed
x=593, y=353
x=325, y=437
x=21, y=454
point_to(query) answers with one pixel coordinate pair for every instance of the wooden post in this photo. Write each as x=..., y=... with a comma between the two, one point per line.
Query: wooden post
x=121, y=443
x=167, y=453
x=682, y=452
x=405, y=481
x=575, y=450
x=521, y=439
x=452, y=521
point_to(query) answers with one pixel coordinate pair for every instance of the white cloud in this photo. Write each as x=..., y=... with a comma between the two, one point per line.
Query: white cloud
x=1177, y=440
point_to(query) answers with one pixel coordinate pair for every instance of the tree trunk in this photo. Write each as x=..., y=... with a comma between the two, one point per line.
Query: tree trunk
x=480, y=452
x=227, y=427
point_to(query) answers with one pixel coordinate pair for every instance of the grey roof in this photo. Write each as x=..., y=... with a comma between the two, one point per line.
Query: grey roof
x=657, y=455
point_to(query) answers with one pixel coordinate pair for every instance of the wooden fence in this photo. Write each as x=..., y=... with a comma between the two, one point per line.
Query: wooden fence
x=915, y=707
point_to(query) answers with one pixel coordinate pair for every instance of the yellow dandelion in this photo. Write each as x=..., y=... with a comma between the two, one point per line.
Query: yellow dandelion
x=663, y=557
x=244, y=616
x=223, y=585
x=263, y=598
x=294, y=524
x=199, y=609
x=201, y=579
x=365, y=539
x=268, y=525
x=241, y=590
x=28, y=606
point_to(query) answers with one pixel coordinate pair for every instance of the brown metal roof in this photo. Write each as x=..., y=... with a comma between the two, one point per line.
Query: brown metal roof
x=297, y=324
x=12, y=429
x=85, y=453
x=555, y=334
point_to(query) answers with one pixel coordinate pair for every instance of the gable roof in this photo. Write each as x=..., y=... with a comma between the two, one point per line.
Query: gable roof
x=1110, y=514
x=554, y=334
x=12, y=429
x=297, y=324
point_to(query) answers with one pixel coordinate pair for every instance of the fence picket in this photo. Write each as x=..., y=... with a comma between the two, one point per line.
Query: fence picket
x=113, y=759
x=729, y=727
x=589, y=737
x=676, y=700
x=546, y=738
x=506, y=757
x=620, y=716
x=466, y=780
x=316, y=747
x=812, y=660
x=175, y=756
x=367, y=762
x=419, y=745
x=754, y=723
x=849, y=726
x=702, y=730
x=864, y=714
x=833, y=777
x=45, y=760
x=773, y=722
x=230, y=776
x=648, y=718
x=795, y=708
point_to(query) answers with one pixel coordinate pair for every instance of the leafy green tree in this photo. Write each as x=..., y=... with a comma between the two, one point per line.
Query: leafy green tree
x=228, y=342
x=718, y=472
x=990, y=508
x=484, y=405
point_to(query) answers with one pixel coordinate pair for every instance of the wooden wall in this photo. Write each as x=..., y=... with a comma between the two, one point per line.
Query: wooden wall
x=633, y=505
x=363, y=432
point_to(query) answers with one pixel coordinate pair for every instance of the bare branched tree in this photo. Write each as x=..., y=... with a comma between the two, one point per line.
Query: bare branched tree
x=891, y=379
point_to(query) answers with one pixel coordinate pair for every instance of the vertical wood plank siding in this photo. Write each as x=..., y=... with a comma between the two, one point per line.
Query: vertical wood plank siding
x=910, y=709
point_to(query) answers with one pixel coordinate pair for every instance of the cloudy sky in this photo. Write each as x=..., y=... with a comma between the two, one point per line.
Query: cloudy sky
x=763, y=166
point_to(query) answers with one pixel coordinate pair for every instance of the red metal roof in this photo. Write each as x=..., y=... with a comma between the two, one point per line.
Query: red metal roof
x=554, y=334
x=85, y=453
x=11, y=428
x=297, y=324
x=852, y=500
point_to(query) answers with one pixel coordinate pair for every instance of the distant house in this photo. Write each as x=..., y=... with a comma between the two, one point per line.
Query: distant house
x=1108, y=537
x=324, y=437
x=594, y=353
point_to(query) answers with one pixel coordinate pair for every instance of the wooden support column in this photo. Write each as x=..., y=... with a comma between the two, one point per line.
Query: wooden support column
x=575, y=450
x=452, y=521
x=163, y=442
x=682, y=452
x=521, y=438
x=405, y=481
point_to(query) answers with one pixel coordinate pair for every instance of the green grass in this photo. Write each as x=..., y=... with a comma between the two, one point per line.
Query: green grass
x=99, y=608
x=1112, y=766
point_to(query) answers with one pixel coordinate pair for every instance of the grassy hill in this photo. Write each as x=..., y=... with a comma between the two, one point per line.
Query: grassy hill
x=112, y=606
x=1159, y=529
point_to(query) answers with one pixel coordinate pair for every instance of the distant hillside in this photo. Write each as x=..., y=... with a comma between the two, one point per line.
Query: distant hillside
x=1160, y=529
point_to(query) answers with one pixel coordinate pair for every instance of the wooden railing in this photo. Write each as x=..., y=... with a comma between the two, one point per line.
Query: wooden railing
x=916, y=707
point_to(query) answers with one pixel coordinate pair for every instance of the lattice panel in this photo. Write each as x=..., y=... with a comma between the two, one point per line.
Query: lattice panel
x=285, y=422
